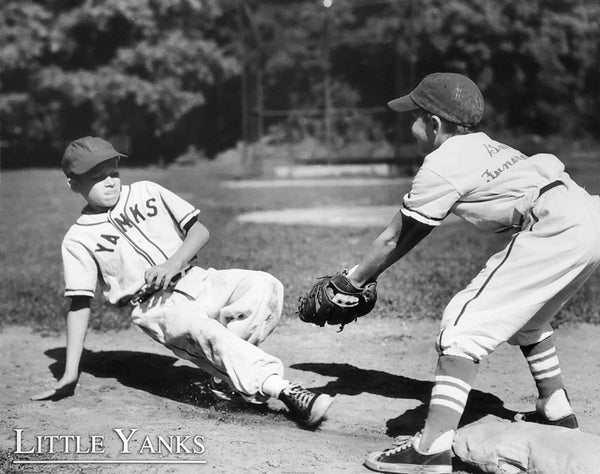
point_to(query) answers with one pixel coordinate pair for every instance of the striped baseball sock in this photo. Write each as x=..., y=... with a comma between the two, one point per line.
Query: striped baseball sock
x=544, y=366
x=453, y=379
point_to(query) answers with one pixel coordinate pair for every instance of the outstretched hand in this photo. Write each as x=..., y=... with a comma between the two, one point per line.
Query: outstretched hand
x=62, y=389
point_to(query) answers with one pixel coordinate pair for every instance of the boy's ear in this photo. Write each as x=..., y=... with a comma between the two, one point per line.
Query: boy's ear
x=436, y=123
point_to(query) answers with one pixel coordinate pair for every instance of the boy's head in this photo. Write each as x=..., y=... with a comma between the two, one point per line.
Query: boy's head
x=84, y=153
x=444, y=104
x=452, y=97
x=91, y=166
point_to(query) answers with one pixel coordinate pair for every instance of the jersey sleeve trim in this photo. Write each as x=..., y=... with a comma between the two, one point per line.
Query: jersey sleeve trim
x=188, y=220
x=79, y=292
x=420, y=217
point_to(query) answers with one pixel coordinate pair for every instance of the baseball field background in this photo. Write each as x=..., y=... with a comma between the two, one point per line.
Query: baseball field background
x=380, y=369
x=203, y=94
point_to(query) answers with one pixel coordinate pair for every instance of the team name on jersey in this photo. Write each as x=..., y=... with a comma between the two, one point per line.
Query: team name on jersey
x=124, y=222
x=491, y=174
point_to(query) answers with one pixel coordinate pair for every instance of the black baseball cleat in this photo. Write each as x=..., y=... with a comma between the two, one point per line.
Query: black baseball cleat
x=569, y=421
x=407, y=459
x=307, y=407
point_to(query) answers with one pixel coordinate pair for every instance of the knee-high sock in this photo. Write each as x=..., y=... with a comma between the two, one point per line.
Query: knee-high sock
x=544, y=366
x=453, y=379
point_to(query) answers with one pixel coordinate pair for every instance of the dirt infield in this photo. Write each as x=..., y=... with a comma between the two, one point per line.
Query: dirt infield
x=379, y=370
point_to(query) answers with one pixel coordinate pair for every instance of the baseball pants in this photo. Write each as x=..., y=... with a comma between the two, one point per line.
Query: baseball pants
x=523, y=286
x=216, y=319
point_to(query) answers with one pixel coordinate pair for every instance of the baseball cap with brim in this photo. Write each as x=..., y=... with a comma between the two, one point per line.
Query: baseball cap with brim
x=451, y=96
x=84, y=153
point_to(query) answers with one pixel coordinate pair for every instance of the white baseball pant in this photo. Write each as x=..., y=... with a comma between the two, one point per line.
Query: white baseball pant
x=523, y=286
x=216, y=319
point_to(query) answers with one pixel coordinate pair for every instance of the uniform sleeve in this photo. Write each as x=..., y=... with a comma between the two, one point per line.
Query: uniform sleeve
x=182, y=212
x=80, y=270
x=430, y=199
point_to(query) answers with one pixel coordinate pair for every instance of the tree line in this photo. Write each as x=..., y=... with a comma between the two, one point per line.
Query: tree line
x=161, y=76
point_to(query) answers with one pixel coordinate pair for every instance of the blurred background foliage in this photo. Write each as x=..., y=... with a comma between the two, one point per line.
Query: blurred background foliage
x=159, y=77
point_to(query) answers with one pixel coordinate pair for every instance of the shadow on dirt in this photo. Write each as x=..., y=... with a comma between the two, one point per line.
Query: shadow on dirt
x=352, y=380
x=152, y=373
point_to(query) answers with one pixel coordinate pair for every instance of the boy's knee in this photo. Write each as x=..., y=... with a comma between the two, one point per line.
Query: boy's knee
x=467, y=346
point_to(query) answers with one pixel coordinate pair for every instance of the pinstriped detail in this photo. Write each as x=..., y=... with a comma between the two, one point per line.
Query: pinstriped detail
x=142, y=233
x=90, y=224
x=510, y=247
x=138, y=250
x=147, y=238
x=535, y=219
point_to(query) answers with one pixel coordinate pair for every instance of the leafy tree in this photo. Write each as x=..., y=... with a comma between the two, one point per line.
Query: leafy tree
x=114, y=67
x=167, y=74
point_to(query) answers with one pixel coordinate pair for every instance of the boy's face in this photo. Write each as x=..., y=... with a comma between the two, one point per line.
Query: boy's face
x=100, y=186
x=425, y=129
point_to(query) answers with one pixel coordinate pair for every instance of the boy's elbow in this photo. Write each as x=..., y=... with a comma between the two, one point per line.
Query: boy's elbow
x=206, y=234
x=389, y=239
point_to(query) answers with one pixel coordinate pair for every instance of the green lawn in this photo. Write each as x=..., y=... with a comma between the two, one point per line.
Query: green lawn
x=38, y=208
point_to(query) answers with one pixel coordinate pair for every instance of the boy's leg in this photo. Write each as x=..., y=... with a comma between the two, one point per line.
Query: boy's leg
x=453, y=380
x=518, y=286
x=431, y=450
x=249, y=370
x=553, y=406
x=254, y=305
x=184, y=326
x=246, y=302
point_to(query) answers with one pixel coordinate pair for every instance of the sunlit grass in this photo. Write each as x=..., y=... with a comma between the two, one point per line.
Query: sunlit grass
x=38, y=208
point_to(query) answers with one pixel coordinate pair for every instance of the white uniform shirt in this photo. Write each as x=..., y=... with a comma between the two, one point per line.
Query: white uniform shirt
x=145, y=228
x=480, y=180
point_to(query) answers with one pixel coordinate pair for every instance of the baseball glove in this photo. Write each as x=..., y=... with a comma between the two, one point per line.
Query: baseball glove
x=333, y=299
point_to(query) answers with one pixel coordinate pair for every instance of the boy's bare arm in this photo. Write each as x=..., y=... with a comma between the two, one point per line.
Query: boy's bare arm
x=160, y=276
x=400, y=236
x=77, y=323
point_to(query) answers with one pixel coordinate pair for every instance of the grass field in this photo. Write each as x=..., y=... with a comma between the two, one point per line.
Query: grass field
x=38, y=208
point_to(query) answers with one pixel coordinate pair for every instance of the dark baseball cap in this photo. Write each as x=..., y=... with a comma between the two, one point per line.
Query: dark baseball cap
x=451, y=96
x=84, y=153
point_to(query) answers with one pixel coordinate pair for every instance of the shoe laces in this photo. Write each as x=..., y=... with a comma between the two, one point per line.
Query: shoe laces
x=299, y=395
x=401, y=445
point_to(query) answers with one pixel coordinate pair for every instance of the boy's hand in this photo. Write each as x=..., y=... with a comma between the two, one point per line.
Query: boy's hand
x=62, y=389
x=160, y=276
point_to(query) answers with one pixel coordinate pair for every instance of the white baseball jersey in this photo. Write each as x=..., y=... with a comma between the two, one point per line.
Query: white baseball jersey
x=521, y=287
x=480, y=180
x=214, y=318
x=144, y=229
